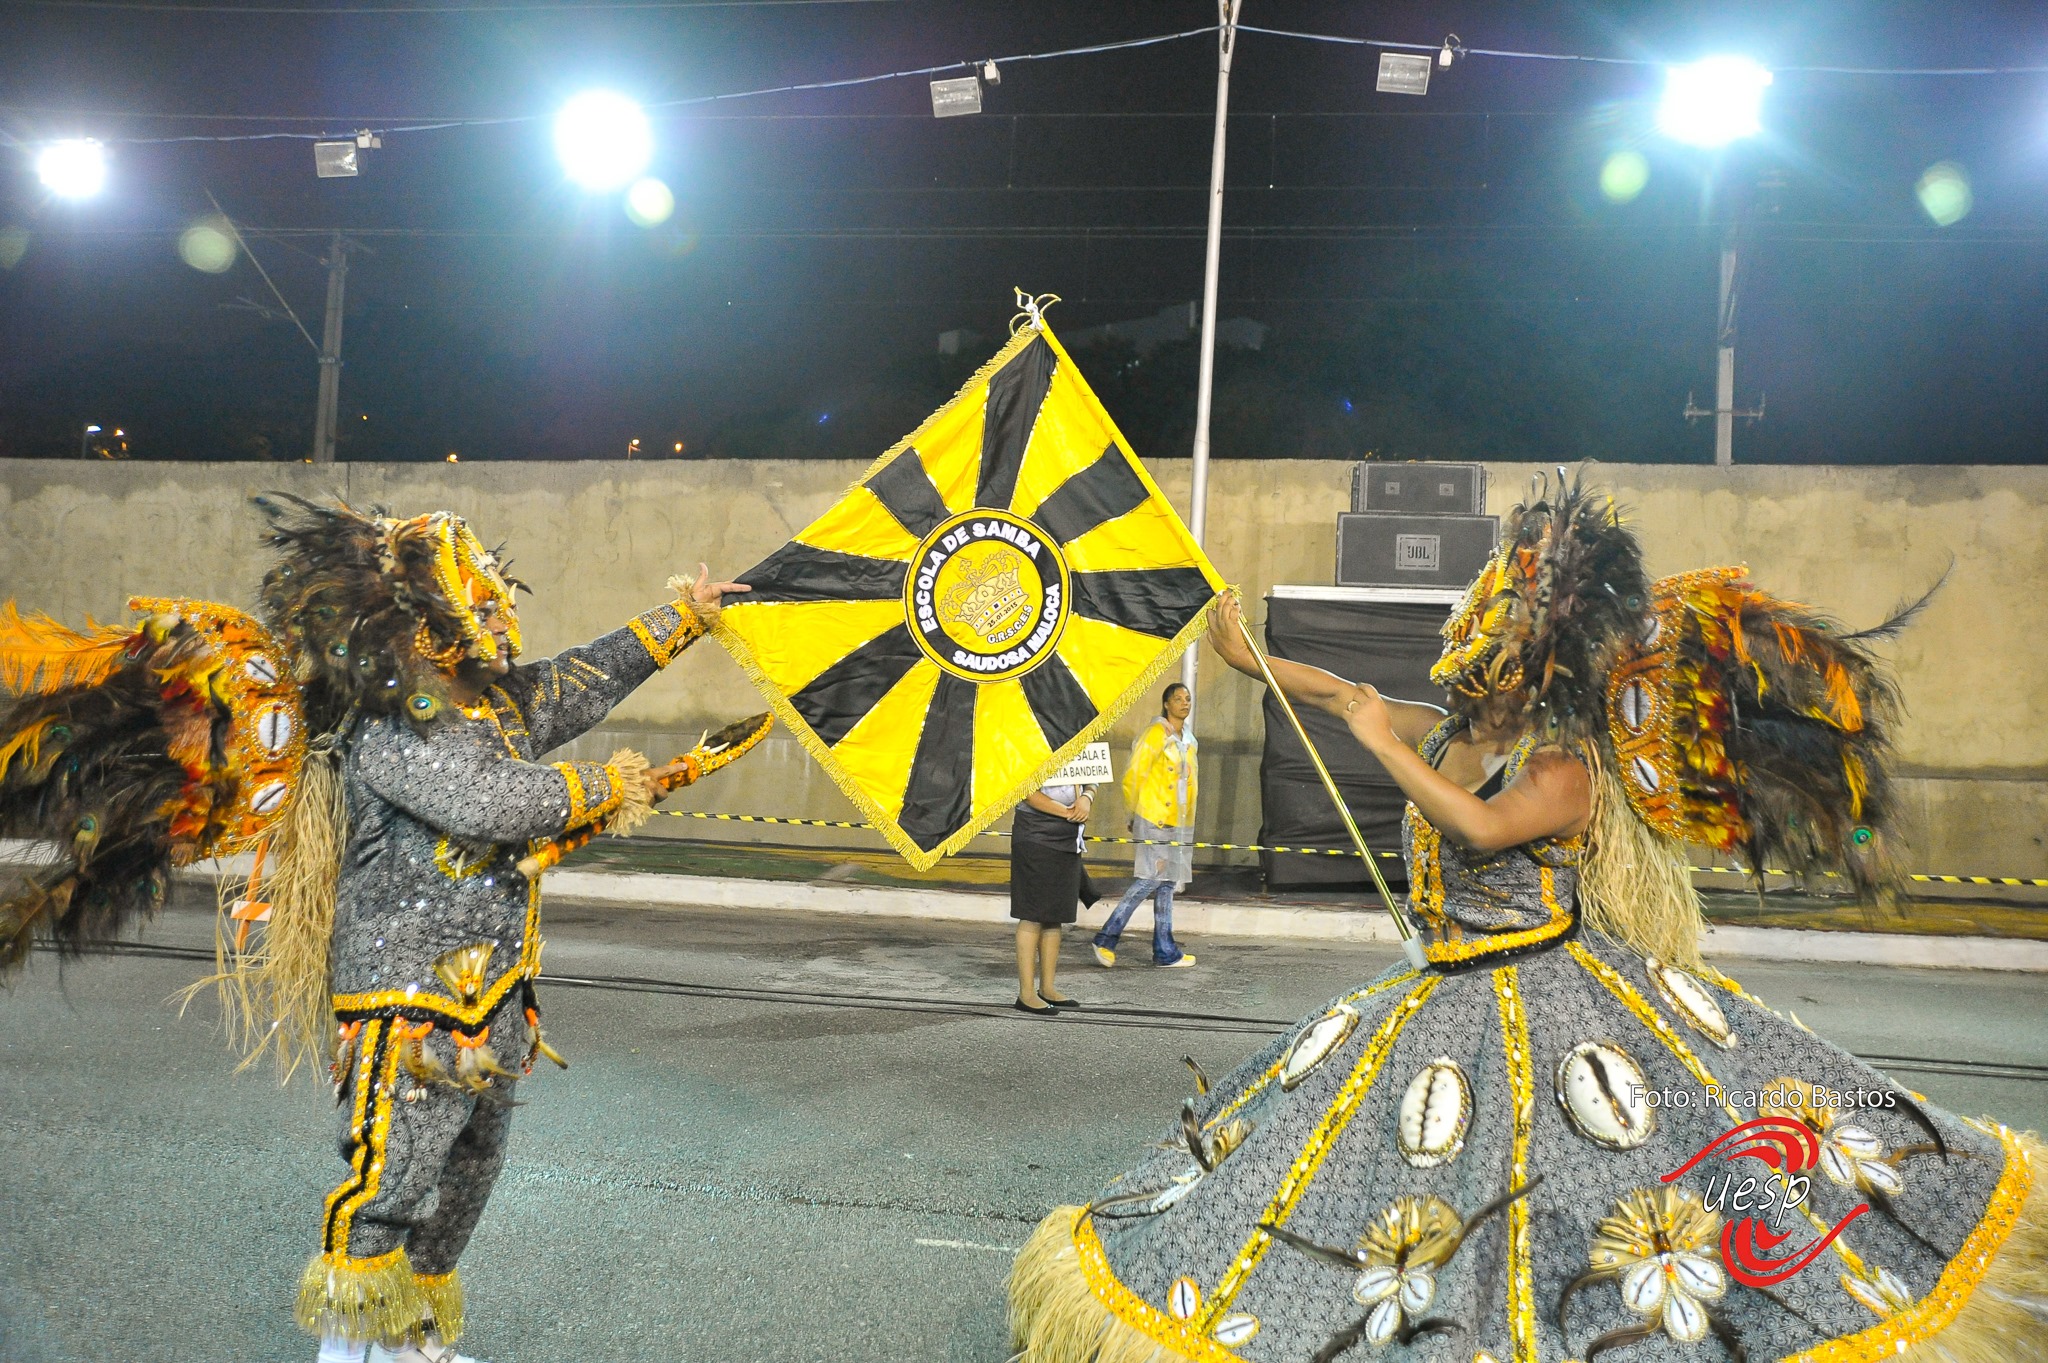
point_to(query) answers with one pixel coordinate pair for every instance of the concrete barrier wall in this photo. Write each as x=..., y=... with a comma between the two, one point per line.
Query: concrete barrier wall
x=597, y=540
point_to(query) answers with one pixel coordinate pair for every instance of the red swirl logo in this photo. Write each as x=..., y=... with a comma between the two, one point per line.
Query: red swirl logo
x=1749, y=1246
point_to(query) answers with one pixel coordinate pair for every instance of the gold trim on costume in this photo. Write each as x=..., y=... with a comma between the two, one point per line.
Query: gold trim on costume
x=1938, y=1309
x=421, y=1002
x=1514, y=1029
x=1493, y=944
x=663, y=650
x=461, y=859
x=374, y=1097
x=1189, y=1338
x=1258, y=1086
x=1318, y=1146
x=581, y=810
x=1633, y=1000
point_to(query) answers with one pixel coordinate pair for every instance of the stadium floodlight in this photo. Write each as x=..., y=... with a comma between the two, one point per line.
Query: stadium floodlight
x=603, y=140
x=1713, y=102
x=75, y=168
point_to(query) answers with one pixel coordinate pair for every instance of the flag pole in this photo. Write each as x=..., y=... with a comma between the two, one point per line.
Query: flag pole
x=1205, y=376
x=1411, y=945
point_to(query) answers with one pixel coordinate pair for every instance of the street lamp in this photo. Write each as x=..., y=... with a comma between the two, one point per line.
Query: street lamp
x=603, y=140
x=75, y=168
x=85, y=439
x=1713, y=102
x=633, y=447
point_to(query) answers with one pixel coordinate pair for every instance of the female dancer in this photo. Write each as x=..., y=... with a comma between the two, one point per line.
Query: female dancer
x=1525, y=1152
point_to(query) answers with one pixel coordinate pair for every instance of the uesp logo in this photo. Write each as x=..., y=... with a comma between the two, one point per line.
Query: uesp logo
x=1790, y=1148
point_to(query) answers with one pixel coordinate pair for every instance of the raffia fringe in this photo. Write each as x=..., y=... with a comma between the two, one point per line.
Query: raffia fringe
x=364, y=1300
x=276, y=996
x=2005, y=1319
x=1054, y=1318
x=629, y=769
x=1634, y=885
x=443, y=1292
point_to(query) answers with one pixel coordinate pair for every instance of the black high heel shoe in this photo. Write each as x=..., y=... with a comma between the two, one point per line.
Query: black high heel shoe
x=1024, y=1007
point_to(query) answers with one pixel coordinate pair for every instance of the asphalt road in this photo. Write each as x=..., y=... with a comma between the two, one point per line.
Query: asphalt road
x=783, y=1137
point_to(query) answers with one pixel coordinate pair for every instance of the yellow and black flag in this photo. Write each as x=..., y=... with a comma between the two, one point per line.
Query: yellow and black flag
x=990, y=596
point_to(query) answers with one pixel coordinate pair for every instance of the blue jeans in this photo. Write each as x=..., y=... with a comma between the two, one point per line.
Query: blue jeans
x=1165, y=951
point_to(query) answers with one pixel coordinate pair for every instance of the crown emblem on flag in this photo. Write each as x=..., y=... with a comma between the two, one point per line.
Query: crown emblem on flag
x=987, y=595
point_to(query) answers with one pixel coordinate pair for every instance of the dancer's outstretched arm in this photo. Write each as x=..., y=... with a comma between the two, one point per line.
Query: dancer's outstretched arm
x=1306, y=685
x=1551, y=796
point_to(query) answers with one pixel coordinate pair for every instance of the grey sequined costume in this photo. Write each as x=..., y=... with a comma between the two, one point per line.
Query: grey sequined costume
x=1530, y=1056
x=436, y=942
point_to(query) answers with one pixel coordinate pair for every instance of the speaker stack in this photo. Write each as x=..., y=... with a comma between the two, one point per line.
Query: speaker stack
x=1415, y=526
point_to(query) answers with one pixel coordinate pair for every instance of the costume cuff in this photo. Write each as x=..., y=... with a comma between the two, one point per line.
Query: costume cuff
x=666, y=631
x=595, y=790
x=613, y=792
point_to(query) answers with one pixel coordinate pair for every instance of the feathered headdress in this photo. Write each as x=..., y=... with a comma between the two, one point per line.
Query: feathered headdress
x=378, y=613
x=132, y=750
x=1712, y=712
x=1531, y=642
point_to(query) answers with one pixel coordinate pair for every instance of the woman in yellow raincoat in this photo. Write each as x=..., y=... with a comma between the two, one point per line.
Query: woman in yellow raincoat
x=1159, y=788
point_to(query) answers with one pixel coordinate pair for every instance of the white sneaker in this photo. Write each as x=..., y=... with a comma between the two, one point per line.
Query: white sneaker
x=1186, y=960
x=1104, y=957
x=429, y=1350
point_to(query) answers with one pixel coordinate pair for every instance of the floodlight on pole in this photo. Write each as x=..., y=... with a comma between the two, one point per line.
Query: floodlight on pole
x=603, y=139
x=75, y=168
x=1713, y=102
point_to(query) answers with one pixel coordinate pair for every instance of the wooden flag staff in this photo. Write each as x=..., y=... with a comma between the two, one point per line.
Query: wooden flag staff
x=1411, y=945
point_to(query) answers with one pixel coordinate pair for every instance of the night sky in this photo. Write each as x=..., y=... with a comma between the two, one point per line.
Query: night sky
x=1442, y=276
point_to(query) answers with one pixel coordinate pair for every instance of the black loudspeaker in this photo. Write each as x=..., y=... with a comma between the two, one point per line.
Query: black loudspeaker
x=1428, y=489
x=1398, y=549
x=1392, y=645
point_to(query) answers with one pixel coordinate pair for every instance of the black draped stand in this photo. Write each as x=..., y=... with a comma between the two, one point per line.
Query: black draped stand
x=1385, y=637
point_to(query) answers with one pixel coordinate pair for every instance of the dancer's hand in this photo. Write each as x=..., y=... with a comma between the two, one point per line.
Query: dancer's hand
x=1226, y=637
x=666, y=780
x=1370, y=722
x=1078, y=811
x=707, y=598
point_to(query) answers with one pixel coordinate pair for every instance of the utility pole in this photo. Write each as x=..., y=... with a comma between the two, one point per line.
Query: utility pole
x=330, y=352
x=1724, y=411
x=1205, y=386
x=1724, y=367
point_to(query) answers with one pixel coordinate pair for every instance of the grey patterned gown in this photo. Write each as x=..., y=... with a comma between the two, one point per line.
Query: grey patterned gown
x=1530, y=1056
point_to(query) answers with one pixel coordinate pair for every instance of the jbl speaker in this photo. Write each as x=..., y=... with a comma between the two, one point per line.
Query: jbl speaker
x=1427, y=489
x=1392, y=549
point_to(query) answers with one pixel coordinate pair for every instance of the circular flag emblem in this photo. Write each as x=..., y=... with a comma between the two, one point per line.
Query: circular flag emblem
x=987, y=595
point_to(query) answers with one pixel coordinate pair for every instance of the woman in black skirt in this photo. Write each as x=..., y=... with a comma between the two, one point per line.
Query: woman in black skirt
x=1047, y=884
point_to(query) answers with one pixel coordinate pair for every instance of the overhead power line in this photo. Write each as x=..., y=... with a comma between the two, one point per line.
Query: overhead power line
x=386, y=128
x=387, y=125
x=326, y=11
x=1517, y=55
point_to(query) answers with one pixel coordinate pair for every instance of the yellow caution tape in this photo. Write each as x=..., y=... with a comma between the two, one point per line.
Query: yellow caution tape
x=1296, y=851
